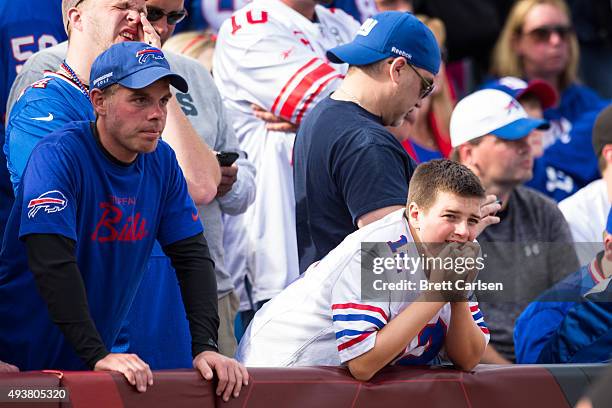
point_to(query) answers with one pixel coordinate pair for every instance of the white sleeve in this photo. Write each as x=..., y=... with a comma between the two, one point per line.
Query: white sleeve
x=355, y=322
x=272, y=66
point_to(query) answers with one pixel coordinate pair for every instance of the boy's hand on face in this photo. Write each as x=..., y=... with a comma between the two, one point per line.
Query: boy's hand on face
x=454, y=262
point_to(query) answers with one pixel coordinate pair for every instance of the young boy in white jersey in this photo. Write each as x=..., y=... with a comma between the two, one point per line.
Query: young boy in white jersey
x=324, y=318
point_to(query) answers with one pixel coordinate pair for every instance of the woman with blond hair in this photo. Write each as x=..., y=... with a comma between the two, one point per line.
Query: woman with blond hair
x=538, y=42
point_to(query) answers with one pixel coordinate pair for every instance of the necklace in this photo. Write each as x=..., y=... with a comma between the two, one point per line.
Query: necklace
x=75, y=78
x=351, y=97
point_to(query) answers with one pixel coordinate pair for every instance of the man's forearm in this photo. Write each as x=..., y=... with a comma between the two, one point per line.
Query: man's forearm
x=197, y=160
x=53, y=263
x=196, y=274
x=242, y=194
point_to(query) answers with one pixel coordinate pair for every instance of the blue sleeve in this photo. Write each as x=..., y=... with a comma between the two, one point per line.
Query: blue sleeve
x=534, y=327
x=370, y=178
x=179, y=218
x=50, y=186
x=583, y=336
x=29, y=122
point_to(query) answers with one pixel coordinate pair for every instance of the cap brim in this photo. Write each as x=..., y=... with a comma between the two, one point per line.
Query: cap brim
x=520, y=128
x=543, y=91
x=354, y=54
x=146, y=77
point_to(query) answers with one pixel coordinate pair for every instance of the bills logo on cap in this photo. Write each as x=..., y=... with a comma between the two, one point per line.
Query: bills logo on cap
x=149, y=53
x=367, y=26
x=51, y=201
x=512, y=106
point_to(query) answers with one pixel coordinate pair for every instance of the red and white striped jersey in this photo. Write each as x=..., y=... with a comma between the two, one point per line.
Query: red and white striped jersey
x=322, y=319
x=270, y=55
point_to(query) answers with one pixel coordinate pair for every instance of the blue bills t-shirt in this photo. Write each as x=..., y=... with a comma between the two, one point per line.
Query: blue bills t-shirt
x=114, y=213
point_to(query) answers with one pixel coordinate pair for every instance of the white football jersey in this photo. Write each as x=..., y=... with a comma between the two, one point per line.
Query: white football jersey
x=586, y=212
x=322, y=319
x=270, y=55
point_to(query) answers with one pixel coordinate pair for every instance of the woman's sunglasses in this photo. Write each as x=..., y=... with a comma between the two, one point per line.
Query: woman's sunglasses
x=542, y=34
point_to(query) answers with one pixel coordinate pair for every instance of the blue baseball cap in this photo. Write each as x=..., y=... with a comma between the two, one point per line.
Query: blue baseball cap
x=134, y=65
x=517, y=88
x=391, y=34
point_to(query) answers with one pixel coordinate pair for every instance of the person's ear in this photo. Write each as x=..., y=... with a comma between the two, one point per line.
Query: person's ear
x=608, y=246
x=466, y=153
x=98, y=101
x=75, y=19
x=606, y=153
x=395, y=70
x=414, y=215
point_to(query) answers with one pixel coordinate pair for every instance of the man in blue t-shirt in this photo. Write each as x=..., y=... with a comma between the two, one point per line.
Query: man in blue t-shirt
x=93, y=199
x=25, y=28
x=348, y=169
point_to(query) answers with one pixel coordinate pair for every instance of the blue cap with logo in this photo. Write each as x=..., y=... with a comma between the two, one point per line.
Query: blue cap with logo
x=134, y=65
x=391, y=34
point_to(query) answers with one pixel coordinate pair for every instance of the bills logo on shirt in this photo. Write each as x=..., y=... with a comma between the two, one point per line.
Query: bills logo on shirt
x=148, y=53
x=51, y=201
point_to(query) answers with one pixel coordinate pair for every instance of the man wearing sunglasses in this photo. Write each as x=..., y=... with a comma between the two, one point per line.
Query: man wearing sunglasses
x=348, y=169
x=196, y=120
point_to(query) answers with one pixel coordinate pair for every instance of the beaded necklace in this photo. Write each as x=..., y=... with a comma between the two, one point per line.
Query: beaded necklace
x=75, y=78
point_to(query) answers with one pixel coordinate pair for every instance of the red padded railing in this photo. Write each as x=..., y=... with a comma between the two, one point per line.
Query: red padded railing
x=319, y=387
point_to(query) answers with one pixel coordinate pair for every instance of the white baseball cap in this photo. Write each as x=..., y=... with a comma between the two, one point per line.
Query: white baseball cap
x=491, y=111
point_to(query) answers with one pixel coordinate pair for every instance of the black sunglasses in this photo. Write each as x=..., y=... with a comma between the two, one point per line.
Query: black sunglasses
x=542, y=34
x=427, y=87
x=174, y=17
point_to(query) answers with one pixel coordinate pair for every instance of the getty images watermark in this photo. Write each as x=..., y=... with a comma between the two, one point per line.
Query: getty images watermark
x=403, y=262
x=391, y=271
x=497, y=272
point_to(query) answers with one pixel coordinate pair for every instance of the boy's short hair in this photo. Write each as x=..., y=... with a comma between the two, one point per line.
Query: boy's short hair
x=442, y=175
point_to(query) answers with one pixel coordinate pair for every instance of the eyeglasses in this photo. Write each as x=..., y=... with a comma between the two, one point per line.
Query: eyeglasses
x=173, y=17
x=427, y=86
x=542, y=34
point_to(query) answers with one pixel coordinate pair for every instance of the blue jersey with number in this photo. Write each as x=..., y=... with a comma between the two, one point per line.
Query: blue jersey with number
x=46, y=105
x=25, y=28
x=569, y=162
x=114, y=213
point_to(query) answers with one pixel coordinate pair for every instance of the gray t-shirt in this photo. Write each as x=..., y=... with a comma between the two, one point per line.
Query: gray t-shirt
x=529, y=250
x=203, y=107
